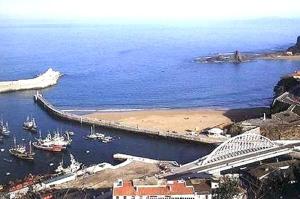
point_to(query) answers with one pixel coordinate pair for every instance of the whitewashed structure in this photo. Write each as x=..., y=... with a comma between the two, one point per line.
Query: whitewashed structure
x=161, y=190
x=49, y=78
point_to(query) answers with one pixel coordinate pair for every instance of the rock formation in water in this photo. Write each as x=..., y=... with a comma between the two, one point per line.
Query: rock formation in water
x=49, y=78
x=237, y=57
x=296, y=48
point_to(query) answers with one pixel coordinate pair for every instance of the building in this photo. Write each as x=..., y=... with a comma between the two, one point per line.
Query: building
x=161, y=190
x=202, y=187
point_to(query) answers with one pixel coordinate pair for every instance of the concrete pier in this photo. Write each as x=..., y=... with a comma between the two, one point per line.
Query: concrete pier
x=114, y=125
x=49, y=78
x=124, y=157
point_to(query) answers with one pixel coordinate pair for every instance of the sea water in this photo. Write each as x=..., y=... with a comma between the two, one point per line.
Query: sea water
x=134, y=66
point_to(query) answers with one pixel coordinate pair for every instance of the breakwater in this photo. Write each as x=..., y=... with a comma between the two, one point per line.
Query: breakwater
x=49, y=78
x=114, y=125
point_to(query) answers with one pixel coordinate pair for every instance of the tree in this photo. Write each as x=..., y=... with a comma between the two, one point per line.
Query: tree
x=228, y=188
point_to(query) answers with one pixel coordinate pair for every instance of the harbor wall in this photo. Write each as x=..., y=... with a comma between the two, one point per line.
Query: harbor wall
x=49, y=78
x=114, y=125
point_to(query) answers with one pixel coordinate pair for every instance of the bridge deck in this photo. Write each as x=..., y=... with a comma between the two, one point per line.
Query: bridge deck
x=269, y=153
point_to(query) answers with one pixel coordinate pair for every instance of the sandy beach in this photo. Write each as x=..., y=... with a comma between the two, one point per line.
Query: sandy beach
x=179, y=120
x=281, y=57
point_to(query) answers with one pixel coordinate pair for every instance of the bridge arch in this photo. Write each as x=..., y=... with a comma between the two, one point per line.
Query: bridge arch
x=239, y=145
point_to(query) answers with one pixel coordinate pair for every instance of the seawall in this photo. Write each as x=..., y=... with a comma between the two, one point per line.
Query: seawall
x=49, y=78
x=114, y=125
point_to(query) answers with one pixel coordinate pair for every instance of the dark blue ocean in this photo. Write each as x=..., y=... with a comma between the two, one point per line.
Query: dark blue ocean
x=134, y=66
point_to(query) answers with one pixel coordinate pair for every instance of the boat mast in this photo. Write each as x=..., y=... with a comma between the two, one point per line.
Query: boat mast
x=30, y=149
x=15, y=142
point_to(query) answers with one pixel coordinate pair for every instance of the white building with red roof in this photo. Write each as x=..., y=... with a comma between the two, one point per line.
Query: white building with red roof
x=160, y=190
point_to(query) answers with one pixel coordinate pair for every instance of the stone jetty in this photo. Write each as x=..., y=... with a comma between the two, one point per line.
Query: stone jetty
x=49, y=78
x=115, y=125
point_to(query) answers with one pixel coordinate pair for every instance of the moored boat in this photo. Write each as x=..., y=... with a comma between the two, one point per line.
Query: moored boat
x=47, y=147
x=93, y=135
x=73, y=167
x=59, y=139
x=55, y=143
x=70, y=133
x=106, y=139
x=4, y=128
x=30, y=125
x=20, y=151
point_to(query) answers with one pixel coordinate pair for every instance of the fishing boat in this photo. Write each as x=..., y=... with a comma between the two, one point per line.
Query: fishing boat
x=93, y=135
x=47, y=146
x=4, y=128
x=106, y=139
x=55, y=143
x=59, y=139
x=73, y=167
x=20, y=151
x=70, y=133
x=30, y=125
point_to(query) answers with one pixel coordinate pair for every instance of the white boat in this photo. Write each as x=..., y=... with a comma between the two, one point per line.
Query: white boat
x=20, y=151
x=4, y=128
x=70, y=133
x=73, y=167
x=106, y=139
x=58, y=139
x=30, y=125
x=93, y=135
x=54, y=143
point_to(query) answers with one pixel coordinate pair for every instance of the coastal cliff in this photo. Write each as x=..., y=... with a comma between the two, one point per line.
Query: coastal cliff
x=286, y=93
x=283, y=120
x=296, y=48
x=49, y=78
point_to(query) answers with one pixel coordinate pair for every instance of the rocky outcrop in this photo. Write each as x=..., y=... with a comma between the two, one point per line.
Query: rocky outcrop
x=285, y=84
x=286, y=93
x=235, y=57
x=296, y=48
x=49, y=78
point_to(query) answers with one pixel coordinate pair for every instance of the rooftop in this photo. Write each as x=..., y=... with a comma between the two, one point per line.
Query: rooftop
x=126, y=188
x=201, y=186
x=296, y=74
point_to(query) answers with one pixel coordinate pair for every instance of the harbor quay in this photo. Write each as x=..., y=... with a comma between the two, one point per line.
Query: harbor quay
x=94, y=177
x=51, y=109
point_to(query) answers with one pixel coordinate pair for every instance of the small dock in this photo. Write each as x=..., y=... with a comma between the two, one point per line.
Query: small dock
x=39, y=99
x=124, y=157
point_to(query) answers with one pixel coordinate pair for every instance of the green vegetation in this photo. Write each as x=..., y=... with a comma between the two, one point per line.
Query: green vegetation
x=229, y=188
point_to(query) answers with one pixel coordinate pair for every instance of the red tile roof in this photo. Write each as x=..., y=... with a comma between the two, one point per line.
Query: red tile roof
x=172, y=188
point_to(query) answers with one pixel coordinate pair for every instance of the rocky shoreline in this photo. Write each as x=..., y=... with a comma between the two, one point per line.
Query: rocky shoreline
x=292, y=53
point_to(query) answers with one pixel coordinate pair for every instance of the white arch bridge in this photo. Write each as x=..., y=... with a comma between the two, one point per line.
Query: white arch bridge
x=237, y=151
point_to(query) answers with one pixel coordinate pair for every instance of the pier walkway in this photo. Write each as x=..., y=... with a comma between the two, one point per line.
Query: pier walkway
x=39, y=99
x=122, y=157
